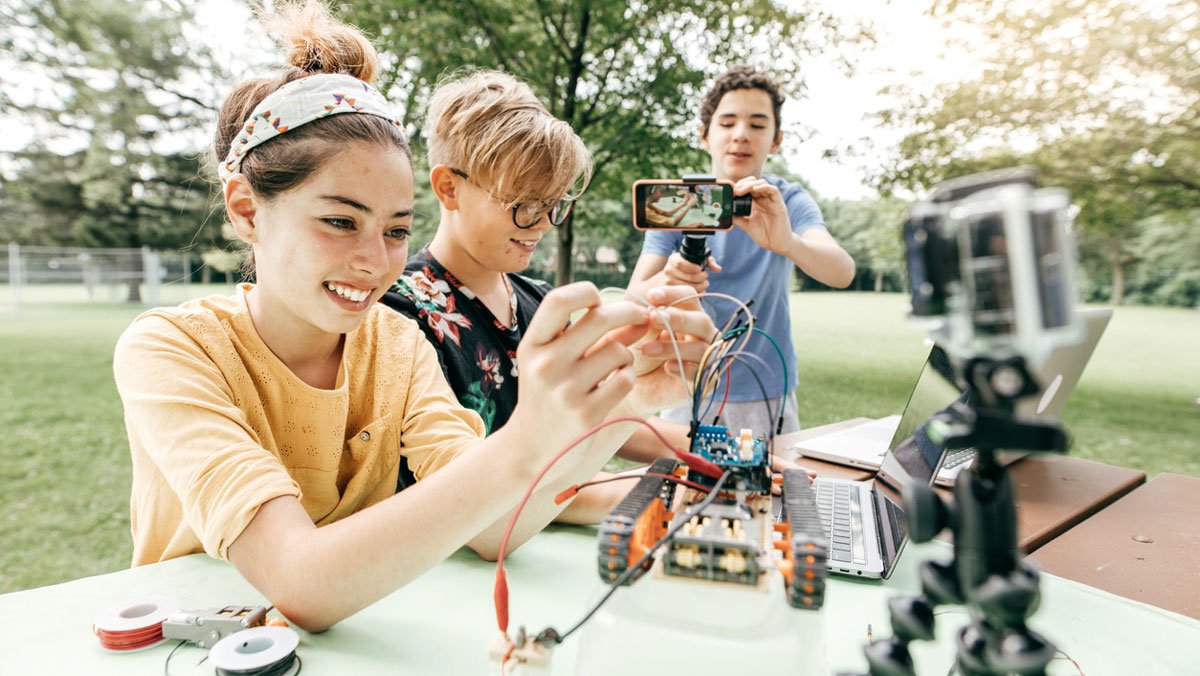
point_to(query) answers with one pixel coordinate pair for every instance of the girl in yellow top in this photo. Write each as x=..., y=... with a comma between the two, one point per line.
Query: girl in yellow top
x=266, y=428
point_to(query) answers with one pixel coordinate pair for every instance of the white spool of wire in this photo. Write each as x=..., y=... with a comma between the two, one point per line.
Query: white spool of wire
x=135, y=625
x=258, y=651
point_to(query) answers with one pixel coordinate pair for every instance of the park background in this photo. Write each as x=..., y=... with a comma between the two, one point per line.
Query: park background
x=108, y=201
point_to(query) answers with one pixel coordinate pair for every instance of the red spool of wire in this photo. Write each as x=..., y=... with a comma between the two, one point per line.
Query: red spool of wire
x=135, y=625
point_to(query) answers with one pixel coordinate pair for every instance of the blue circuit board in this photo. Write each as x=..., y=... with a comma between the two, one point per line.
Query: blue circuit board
x=716, y=444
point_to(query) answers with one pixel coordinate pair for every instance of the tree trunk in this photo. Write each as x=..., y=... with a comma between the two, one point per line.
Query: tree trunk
x=878, y=282
x=566, y=244
x=1118, y=280
x=575, y=68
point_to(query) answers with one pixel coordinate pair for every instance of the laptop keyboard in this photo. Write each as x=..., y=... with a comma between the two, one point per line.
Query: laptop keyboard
x=841, y=514
x=958, y=457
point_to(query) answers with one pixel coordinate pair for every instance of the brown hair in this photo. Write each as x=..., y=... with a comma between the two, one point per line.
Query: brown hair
x=316, y=43
x=741, y=77
x=492, y=126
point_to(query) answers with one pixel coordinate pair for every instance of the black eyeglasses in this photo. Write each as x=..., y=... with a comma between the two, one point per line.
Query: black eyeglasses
x=527, y=214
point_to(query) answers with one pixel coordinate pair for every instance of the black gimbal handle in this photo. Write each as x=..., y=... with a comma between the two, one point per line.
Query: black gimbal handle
x=695, y=249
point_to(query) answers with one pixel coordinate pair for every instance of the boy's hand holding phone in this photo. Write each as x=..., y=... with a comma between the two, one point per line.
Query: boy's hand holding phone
x=683, y=272
x=768, y=223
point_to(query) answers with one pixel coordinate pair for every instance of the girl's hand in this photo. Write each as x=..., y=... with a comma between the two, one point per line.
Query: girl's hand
x=573, y=373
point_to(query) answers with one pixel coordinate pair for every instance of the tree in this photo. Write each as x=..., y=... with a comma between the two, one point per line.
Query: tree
x=42, y=200
x=116, y=68
x=1169, y=248
x=869, y=230
x=626, y=76
x=1103, y=96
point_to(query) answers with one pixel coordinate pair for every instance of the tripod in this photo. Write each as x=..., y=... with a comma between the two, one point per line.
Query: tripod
x=987, y=573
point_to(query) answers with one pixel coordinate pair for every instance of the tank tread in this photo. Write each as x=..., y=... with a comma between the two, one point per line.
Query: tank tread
x=809, y=548
x=616, y=532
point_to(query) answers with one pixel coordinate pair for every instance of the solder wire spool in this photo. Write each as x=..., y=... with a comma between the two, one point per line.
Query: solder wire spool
x=136, y=625
x=257, y=651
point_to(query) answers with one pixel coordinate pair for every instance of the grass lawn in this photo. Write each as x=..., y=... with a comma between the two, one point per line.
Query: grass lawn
x=1134, y=406
x=64, y=459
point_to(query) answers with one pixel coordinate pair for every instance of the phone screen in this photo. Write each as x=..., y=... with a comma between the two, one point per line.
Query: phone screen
x=676, y=205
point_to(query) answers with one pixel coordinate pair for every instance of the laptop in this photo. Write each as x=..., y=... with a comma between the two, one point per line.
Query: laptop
x=864, y=520
x=866, y=445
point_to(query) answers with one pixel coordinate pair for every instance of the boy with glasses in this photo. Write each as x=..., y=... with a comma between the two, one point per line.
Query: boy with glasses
x=505, y=171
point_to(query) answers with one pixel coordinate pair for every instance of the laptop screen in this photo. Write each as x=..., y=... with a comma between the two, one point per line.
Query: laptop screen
x=912, y=455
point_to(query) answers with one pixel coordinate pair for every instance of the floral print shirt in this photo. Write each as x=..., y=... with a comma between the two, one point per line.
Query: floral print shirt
x=478, y=353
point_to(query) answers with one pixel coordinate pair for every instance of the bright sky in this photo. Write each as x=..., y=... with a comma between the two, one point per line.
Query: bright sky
x=909, y=50
x=837, y=107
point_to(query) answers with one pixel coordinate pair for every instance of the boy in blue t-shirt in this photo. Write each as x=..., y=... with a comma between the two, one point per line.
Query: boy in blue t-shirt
x=740, y=128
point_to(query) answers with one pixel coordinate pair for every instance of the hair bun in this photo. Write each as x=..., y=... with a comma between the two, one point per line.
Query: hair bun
x=317, y=42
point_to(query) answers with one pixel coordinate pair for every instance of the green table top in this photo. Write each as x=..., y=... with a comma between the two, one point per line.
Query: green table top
x=443, y=622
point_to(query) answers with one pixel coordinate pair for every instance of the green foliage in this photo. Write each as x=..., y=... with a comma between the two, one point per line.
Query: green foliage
x=869, y=230
x=1167, y=249
x=1105, y=92
x=116, y=68
x=627, y=77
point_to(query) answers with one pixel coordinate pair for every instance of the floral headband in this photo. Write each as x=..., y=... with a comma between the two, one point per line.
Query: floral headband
x=299, y=102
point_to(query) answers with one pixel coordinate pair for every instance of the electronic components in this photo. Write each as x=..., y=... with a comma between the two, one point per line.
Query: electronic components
x=745, y=456
x=524, y=657
x=732, y=538
x=722, y=543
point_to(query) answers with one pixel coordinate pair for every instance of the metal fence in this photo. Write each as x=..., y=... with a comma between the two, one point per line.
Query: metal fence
x=41, y=275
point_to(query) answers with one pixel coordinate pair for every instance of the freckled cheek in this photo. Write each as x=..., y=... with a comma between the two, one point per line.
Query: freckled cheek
x=397, y=257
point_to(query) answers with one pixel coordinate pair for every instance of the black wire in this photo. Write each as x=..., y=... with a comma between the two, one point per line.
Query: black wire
x=770, y=436
x=624, y=576
x=754, y=372
x=278, y=669
x=734, y=333
x=167, y=663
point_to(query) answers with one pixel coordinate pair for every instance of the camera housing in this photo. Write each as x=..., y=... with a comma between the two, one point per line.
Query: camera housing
x=695, y=203
x=991, y=264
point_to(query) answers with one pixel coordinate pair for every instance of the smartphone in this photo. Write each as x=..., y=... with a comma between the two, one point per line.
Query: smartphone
x=705, y=206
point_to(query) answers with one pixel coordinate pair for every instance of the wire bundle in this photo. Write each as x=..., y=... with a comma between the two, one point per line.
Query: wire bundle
x=727, y=346
x=277, y=669
x=257, y=651
x=135, y=625
x=134, y=639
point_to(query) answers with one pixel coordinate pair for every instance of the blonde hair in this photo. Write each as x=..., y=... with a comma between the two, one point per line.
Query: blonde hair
x=316, y=42
x=492, y=126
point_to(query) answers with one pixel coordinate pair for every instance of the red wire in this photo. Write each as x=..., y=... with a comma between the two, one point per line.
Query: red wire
x=131, y=639
x=500, y=591
x=570, y=492
x=724, y=398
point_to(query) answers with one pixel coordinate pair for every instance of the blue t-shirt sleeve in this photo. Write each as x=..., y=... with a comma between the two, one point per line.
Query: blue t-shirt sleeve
x=661, y=242
x=802, y=208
